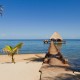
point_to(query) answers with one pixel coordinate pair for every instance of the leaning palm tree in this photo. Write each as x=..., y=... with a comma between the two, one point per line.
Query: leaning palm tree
x=1, y=10
x=12, y=50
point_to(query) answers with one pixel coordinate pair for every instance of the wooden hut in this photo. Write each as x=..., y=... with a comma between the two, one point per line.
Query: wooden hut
x=56, y=38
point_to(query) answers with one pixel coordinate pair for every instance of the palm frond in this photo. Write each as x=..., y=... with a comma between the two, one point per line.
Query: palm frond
x=15, y=50
x=7, y=48
x=18, y=46
x=10, y=50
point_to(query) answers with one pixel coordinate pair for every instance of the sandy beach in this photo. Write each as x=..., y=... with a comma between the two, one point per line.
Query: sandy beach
x=26, y=67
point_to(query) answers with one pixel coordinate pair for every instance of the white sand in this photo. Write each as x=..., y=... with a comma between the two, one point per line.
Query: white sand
x=20, y=71
x=27, y=67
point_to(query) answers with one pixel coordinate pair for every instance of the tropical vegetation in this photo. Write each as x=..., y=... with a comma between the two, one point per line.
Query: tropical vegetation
x=11, y=51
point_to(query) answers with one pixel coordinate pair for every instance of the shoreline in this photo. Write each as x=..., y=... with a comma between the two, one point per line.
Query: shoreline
x=21, y=57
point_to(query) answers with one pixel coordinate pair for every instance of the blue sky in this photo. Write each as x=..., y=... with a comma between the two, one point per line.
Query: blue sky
x=38, y=19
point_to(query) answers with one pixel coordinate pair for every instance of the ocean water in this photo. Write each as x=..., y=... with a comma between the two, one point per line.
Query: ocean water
x=29, y=46
x=70, y=50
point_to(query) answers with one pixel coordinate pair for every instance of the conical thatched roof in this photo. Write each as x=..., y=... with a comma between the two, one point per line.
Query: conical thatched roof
x=56, y=35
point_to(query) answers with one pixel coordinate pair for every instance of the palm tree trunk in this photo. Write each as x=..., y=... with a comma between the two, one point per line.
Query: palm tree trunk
x=13, y=59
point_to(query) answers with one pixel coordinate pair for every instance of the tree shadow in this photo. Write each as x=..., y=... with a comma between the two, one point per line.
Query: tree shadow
x=34, y=59
x=64, y=76
x=48, y=67
x=67, y=77
x=66, y=68
x=6, y=63
x=37, y=58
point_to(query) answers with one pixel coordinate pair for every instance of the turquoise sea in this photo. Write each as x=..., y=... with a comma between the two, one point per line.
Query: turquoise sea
x=70, y=50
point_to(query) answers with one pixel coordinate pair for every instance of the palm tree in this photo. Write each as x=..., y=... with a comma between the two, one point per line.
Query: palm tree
x=12, y=50
x=1, y=10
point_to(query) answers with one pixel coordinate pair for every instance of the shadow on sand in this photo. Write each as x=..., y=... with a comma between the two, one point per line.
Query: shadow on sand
x=6, y=62
x=61, y=71
x=34, y=59
x=64, y=76
x=37, y=58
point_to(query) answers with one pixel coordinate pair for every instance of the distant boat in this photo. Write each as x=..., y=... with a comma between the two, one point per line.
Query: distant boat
x=46, y=41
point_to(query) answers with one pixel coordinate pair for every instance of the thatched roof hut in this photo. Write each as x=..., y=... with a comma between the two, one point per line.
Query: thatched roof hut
x=56, y=36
